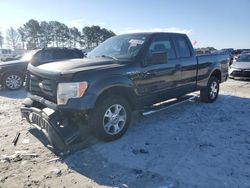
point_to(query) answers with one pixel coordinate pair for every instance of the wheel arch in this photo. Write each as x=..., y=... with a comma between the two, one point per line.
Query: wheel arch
x=11, y=71
x=120, y=90
x=216, y=73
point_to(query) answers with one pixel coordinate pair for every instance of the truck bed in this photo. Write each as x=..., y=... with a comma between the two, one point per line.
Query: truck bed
x=211, y=61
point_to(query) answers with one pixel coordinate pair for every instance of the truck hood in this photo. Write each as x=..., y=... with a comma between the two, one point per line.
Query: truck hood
x=77, y=65
x=8, y=63
x=241, y=65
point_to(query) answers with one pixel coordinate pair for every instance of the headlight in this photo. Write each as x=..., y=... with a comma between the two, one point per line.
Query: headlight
x=66, y=91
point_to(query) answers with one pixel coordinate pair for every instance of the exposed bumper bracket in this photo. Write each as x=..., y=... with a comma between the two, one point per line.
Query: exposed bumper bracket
x=60, y=132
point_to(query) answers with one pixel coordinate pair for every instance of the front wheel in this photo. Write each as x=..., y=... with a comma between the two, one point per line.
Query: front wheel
x=210, y=93
x=111, y=118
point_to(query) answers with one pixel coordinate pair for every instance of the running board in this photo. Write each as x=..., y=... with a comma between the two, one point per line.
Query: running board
x=169, y=104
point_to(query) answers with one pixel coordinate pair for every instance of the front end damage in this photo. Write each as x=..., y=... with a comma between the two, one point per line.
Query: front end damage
x=62, y=129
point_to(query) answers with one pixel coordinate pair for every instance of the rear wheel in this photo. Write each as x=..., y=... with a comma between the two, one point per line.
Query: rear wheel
x=13, y=81
x=111, y=118
x=210, y=93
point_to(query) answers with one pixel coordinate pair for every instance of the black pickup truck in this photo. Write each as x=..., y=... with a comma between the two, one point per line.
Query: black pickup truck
x=125, y=73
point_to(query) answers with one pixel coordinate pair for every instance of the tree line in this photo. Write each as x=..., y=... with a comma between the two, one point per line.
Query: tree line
x=34, y=34
x=1, y=39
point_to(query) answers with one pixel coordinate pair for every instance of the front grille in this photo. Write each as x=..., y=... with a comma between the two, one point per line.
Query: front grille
x=242, y=73
x=38, y=120
x=43, y=87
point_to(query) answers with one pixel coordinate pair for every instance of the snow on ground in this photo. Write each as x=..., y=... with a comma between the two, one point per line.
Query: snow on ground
x=190, y=145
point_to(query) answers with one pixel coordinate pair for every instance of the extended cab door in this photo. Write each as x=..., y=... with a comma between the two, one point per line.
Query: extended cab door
x=188, y=63
x=158, y=80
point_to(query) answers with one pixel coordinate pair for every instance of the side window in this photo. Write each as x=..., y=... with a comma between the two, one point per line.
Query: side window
x=59, y=54
x=47, y=55
x=162, y=45
x=65, y=54
x=73, y=54
x=37, y=56
x=183, y=47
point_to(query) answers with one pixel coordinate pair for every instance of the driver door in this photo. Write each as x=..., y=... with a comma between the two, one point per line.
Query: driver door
x=159, y=79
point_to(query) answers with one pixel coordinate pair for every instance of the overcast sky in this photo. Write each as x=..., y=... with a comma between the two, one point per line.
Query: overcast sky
x=217, y=23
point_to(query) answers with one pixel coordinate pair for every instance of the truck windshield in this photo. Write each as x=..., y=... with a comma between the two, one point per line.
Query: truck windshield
x=244, y=58
x=120, y=47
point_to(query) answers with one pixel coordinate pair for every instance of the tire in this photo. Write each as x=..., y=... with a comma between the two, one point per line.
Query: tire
x=111, y=118
x=13, y=81
x=210, y=93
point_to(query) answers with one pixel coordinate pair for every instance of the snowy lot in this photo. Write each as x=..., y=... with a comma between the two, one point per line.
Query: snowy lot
x=190, y=145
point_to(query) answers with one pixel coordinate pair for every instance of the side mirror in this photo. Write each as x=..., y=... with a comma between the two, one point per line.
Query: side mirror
x=157, y=58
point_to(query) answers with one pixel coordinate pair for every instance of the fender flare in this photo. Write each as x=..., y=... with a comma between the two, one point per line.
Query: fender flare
x=112, y=82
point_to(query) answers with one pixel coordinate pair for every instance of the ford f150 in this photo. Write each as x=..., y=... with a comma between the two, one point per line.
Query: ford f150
x=123, y=74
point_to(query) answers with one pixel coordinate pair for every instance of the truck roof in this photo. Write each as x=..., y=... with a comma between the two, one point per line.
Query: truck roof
x=154, y=33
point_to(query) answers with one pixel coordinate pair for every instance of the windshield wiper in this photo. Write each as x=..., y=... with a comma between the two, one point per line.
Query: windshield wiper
x=108, y=56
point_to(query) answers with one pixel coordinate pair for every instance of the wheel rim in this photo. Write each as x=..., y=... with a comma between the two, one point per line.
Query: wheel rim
x=13, y=81
x=114, y=119
x=213, y=90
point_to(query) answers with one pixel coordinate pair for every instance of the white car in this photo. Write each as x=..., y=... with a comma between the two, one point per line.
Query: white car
x=240, y=68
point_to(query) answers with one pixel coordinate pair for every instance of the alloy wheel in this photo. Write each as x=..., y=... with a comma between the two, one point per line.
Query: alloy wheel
x=213, y=90
x=13, y=81
x=114, y=119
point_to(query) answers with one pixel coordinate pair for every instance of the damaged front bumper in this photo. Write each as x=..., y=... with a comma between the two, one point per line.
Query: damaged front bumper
x=60, y=129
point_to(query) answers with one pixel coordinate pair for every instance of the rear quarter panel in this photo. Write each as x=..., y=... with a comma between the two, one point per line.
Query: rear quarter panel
x=207, y=64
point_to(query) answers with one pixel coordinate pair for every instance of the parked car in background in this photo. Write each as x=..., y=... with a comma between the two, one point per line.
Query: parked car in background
x=235, y=59
x=241, y=67
x=12, y=73
x=5, y=53
x=245, y=52
x=11, y=58
x=123, y=74
x=239, y=52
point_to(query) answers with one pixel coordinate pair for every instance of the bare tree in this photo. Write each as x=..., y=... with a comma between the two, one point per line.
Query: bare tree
x=12, y=38
x=22, y=36
x=1, y=39
x=75, y=37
